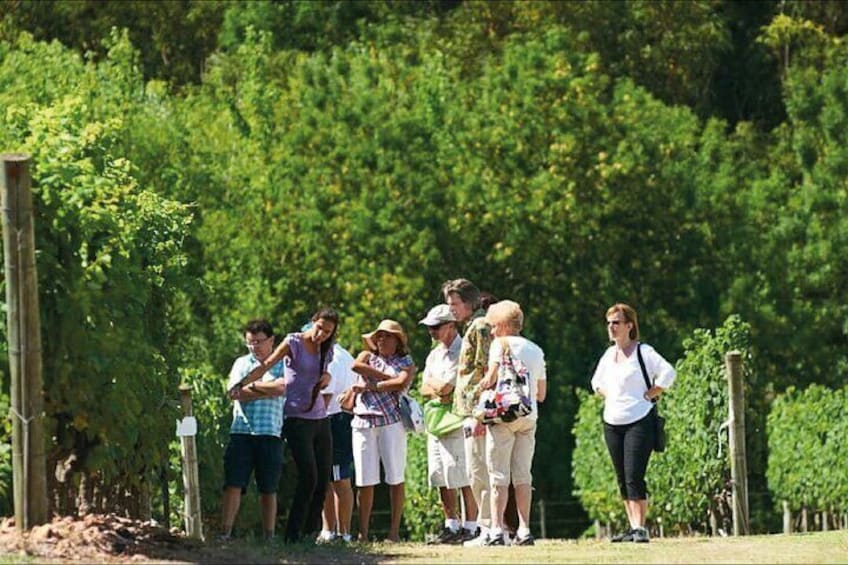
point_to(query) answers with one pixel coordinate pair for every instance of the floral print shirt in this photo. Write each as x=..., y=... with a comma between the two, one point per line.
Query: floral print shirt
x=473, y=362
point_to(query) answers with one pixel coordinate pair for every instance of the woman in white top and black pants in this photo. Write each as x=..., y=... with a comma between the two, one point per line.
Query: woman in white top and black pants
x=629, y=418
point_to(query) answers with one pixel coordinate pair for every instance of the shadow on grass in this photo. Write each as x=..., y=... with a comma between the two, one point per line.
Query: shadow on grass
x=251, y=550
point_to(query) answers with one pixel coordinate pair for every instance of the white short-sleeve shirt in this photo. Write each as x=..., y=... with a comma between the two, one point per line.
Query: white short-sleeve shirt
x=443, y=362
x=533, y=358
x=341, y=377
x=624, y=386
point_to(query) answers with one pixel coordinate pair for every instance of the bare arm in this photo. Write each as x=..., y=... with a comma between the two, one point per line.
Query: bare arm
x=654, y=392
x=491, y=377
x=427, y=390
x=361, y=366
x=281, y=351
x=397, y=383
x=260, y=389
x=541, y=390
x=433, y=388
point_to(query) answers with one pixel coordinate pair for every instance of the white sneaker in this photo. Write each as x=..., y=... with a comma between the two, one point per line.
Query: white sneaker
x=325, y=537
x=479, y=541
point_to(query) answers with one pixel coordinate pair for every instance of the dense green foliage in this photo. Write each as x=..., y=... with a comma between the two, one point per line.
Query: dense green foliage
x=812, y=422
x=110, y=258
x=423, y=509
x=689, y=481
x=221, y=161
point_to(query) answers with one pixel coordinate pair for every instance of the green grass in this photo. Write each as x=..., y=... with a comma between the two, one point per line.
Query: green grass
x=820, y=547
x=827, y=547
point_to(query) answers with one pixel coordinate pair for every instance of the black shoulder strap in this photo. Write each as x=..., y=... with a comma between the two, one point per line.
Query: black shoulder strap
x=644, y=370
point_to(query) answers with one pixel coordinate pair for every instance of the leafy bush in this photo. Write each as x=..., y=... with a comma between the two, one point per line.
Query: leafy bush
x=422, y=513
x=109, y=264
x=593, y=473
x=808, y=457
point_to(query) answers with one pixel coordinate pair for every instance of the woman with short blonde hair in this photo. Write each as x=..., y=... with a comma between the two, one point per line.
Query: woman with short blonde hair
x=510, y=446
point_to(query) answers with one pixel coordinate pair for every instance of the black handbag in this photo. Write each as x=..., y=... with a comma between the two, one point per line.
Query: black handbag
x=659, y=435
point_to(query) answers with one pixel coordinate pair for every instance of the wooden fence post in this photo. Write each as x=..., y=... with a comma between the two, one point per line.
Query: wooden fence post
x=738, y=461
x=543, y=529
x=29, y=462
x=713, y=523
x=191, y=481
x=787, y=518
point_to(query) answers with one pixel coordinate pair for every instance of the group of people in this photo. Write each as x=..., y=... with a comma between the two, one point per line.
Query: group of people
x=342, y=418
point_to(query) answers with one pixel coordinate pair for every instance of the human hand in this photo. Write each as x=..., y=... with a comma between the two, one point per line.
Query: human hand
x=324, y=380
x=235, y=392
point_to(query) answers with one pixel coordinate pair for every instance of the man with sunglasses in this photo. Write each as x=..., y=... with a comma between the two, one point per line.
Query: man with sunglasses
x=255, y=445
x=446, y=468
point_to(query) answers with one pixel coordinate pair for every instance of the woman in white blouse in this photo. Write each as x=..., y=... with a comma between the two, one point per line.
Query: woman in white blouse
x=629, y=418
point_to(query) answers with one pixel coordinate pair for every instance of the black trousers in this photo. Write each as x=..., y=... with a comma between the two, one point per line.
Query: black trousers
x=311, y=444
x=630, y=447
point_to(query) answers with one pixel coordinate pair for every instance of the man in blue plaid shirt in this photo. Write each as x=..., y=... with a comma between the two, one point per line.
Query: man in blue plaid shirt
x=255, y=444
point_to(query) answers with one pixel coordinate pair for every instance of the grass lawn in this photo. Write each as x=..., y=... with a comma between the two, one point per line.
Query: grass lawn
x=826, y=547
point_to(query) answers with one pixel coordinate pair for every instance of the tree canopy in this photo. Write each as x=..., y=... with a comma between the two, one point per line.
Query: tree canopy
x=197, y=164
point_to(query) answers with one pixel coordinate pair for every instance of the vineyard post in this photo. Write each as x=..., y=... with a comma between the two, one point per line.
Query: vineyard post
x=29, y=463
x=191, y=481
x=738, y=461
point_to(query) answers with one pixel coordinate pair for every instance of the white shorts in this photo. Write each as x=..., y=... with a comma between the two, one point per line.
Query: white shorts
x=446, y=460
x=386, y=444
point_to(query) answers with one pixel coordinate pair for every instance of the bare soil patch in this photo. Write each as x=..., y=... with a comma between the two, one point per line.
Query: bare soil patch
x=98, y=538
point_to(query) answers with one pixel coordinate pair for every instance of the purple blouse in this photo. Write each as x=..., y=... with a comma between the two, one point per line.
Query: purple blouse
x=301, y=375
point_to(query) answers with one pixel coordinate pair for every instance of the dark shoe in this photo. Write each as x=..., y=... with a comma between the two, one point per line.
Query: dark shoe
x=526, y=540
x=640, y=535
x=468, y=535
x=447, y=536
x=478, y=540
x=495, y=540
x=623, y=536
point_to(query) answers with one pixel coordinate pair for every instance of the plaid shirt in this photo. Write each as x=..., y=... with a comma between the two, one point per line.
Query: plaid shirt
x=473, y=360
x=261, y=417
x=379, y=408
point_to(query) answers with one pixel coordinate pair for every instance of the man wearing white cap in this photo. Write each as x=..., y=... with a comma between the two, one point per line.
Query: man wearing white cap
x=446, y=452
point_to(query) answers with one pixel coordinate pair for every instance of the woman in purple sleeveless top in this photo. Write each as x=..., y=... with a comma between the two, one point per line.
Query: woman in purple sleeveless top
x=306, y=427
